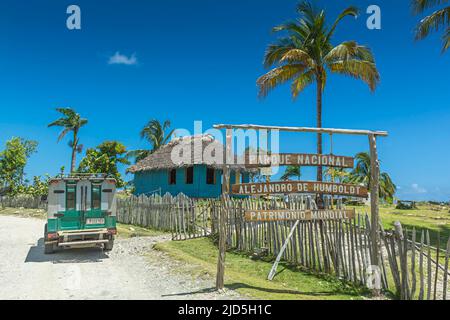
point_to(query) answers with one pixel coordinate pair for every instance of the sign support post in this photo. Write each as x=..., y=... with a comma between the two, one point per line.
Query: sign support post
x=374, y=195
x=223, y=211
x=374, y=186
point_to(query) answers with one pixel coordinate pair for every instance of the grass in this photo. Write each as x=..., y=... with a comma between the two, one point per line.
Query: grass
x=432, y=217
x=248, y=276
x=123, y=230
x=129, y=231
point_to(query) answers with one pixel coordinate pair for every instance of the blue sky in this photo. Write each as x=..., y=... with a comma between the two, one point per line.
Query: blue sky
x=198, y=60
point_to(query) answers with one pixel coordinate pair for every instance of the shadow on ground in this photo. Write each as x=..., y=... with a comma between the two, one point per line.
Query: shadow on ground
x=76, y=255
x=238, y=285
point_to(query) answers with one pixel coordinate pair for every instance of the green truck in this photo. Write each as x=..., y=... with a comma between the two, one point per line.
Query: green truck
x=81, y=212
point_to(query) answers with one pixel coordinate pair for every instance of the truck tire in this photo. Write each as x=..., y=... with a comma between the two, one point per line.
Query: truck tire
x=48, y=248
x=109, y=245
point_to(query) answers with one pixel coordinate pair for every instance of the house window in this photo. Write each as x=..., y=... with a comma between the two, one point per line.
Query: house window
x=96, y=198
x=210, y=176
x=70, y=197
x=173, y=176
x=189, y=175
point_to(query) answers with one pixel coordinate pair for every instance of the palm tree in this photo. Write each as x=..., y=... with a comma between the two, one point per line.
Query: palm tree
x=306, y=56
x=336, y=174
x=70, y=122
x=155, y=133
x=362, y=175
x=291, y=172
x=438, y=19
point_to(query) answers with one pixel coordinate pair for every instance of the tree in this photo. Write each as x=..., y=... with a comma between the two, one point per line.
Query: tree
x=306, y=56
x=434, y=22
x=155, y=133
x=336, y=174
x=13, y=161
x=291, y=172
x=70, y=122
x=362, y=175
x=105, y=159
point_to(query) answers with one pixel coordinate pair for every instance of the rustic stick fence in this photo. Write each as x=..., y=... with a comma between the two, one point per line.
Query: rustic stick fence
x=185, y=217
x=409, y=266
x=23, y=201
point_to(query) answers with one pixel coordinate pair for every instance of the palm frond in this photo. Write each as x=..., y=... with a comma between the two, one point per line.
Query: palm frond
x=446, y=40
x=275, y=52
x=349, y=50
x=301, y=82
x=298, y=56
x=350, y=11
x=433, y=22
x=358, y=69
x=278, y=76
x=63, y=133
x=419, y=6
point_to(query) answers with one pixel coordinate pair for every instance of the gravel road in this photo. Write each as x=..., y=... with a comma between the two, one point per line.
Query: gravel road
x=124, y=273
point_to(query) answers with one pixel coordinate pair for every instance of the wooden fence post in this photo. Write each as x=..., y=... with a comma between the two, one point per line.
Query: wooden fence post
x=222, y=212
x=374, y=194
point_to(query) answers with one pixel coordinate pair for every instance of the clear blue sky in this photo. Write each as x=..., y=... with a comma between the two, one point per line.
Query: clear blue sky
x=198, y=60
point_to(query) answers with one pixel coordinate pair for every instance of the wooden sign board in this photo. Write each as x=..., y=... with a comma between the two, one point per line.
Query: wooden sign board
x=293, y=215
x=298, y=159
x=300, y=187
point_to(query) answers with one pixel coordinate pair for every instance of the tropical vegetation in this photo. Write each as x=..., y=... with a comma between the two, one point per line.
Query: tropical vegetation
x=13, y=160
x=155, y=133
x=361, y=174
x=306, y=55
x=439, y=19
x=291, y=172
x=70, y=122
x=104, y=159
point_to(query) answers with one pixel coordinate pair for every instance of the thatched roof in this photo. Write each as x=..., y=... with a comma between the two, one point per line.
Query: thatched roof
x=204, y=150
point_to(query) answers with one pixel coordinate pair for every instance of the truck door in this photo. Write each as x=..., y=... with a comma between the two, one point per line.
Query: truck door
x=95, y=217
x=71, y=218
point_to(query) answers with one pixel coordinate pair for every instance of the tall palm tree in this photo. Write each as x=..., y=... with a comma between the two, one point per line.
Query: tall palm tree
x=362, y=175
x=155, y=133
x=291, y=172
x=70, y=122
x=435, y=21
x=306, y=56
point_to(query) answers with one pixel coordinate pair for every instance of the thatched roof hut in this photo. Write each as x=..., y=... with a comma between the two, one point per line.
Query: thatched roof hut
x=204, y=150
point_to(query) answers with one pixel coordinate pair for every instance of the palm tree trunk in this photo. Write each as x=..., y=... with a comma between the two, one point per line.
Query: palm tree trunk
x=74, y=152
x=319, y=125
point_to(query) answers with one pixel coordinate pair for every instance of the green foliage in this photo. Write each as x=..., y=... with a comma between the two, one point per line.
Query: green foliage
x=362, y=175
x=439, y=19
x=37, y=189
x=13, y=161
x=291, y=172
x=70, y=122
x=105, y=159
x=155, y=133
x=306, y=55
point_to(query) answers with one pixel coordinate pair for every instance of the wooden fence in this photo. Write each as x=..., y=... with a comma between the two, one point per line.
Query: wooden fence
x=409, y=266
x=409, y=269
x=23, y=201
x=185, y=217
x=419, y=271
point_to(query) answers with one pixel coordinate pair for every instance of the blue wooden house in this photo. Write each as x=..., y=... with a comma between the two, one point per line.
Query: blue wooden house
x=198, y=175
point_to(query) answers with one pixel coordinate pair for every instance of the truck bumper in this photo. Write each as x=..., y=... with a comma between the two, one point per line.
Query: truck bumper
x=82, y=238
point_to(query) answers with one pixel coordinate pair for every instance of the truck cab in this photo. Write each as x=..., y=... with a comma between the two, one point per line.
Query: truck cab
x=81, y=212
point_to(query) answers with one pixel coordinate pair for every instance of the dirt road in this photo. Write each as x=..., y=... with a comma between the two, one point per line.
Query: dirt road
x=124, y=273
